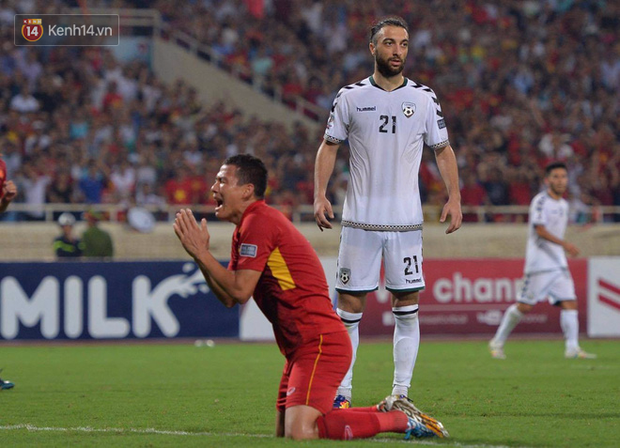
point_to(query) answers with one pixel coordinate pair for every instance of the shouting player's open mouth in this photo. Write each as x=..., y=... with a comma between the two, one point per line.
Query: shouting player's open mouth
x=219, y=204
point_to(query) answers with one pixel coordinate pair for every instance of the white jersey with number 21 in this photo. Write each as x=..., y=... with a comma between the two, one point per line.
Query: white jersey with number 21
x=386, y=132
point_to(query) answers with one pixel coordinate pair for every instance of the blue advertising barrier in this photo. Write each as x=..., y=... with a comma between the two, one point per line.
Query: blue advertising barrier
x=110, y=300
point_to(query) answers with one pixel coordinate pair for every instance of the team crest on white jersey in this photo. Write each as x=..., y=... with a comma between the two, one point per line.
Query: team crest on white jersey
x=408, y=109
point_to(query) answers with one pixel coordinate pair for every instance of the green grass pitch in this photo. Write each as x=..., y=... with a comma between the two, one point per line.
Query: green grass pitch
x=167, y=395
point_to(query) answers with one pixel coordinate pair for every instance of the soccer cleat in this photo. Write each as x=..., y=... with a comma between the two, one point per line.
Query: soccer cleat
x=497, y=351
x=578, y=354
x=417, y=429
x=341, y=402
x=5, y=384
x=433, y=427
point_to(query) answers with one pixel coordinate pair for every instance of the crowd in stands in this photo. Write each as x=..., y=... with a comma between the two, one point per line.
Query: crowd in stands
x=521, y=83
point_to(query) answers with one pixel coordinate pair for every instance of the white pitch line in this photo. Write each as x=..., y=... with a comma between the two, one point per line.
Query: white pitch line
x=126, y=430
x=88, y=429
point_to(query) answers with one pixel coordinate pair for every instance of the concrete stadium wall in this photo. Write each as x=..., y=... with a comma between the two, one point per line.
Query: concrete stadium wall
x=171, y=62
x=33, y=241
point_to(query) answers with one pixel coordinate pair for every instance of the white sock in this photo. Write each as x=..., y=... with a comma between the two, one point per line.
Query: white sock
x=406, y=344
x=512, y=316
x=352, y=322
x=570, y=326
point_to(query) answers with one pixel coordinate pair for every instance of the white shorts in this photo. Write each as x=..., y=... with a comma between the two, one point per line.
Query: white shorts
x=557, y=286
x=360, y=254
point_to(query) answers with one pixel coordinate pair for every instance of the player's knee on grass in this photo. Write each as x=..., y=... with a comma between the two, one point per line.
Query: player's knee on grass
x=300, y=423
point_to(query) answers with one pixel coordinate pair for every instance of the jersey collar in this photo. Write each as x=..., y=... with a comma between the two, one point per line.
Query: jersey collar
x=250, y=208
x=372, y=81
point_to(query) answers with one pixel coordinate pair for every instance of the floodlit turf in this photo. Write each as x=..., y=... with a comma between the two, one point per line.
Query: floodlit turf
x=182, y=396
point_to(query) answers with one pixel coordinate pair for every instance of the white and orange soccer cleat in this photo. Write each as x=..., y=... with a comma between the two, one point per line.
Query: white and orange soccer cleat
x=432, y=426
x=578, y=354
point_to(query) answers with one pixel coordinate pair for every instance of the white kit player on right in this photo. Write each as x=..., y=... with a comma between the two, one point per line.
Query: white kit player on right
x=546, y=274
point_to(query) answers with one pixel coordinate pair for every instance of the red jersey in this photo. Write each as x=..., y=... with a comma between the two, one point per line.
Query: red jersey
x=2, y=177
x=292, y=291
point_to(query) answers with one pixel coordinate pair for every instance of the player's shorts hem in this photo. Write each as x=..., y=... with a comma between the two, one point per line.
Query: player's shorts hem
x=405, y=289
x=359, y=291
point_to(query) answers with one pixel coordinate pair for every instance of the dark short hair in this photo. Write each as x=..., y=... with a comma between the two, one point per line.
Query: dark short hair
x=250, y=170
x=387, y=21
x=554, y=165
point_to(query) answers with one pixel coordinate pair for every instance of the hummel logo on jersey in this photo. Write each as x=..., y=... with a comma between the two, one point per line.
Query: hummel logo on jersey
x=408, y=109
x=367, y=109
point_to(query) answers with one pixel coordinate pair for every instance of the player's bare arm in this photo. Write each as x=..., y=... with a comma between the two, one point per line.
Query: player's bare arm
x=231, y=287
x=446, y=162
x=570, y=248
x=323, y=168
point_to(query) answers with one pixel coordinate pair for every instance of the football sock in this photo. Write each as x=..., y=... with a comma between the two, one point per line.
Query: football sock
x=570, y=326
x=351, y=321
x=406, y=344
x=511, y=318
x=365, y=409
x=347, y=424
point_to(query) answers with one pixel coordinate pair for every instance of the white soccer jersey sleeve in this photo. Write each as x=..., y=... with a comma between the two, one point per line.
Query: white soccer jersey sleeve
x=542, y=255
x=386, y=133
x=436, y=135
x=338, y=123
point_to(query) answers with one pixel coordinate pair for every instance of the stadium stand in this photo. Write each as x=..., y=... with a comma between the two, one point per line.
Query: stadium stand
x=521, y=83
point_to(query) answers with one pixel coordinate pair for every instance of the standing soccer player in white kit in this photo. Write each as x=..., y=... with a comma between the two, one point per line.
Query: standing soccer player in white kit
x=546, y=269
x=387, y=119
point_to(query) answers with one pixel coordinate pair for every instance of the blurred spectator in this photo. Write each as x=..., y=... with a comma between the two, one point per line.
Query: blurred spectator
x=123, y=180
x=96, y=242
x=67, y=245
x=179, y=189
x=61, y=189
x=24, y=102
x=146, y=196
x=496, y=189
x=472, y=194
x=92, y=183
x=33, y=182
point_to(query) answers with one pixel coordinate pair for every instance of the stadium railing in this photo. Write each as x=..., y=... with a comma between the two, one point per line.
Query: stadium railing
x=297, y=214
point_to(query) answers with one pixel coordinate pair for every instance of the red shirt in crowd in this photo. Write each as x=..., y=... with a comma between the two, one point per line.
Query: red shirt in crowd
x=179, y=191
x=292, y=291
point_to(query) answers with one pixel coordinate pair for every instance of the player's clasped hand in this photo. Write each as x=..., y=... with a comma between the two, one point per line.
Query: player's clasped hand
x=194, y=238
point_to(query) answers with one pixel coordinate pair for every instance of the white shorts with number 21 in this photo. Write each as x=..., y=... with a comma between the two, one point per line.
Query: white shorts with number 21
x=360, y=254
